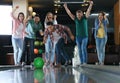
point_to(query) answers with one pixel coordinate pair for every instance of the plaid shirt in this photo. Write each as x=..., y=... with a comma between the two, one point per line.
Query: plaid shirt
x=60, y=29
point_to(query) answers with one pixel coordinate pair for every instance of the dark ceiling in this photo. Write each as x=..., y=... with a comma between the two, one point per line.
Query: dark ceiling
x=44, y=6
x=106, y=5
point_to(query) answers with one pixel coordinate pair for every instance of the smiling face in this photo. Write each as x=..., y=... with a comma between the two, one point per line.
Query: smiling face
x=36, y=19
x=49, y=16
x=50, y=28
x=79, y=14
x=101, y=16
x=21, y=17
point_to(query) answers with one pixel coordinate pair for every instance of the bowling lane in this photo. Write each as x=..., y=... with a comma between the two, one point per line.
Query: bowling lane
x=56, y=75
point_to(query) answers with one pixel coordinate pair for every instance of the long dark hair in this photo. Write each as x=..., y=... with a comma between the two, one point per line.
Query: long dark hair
x=21, y=13
x=102, y=12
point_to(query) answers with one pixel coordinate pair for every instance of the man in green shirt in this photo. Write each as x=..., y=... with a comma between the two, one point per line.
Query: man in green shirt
x=33, y=26
x=81, y=30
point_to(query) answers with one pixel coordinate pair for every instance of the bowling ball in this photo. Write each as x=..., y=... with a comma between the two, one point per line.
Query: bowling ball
x=41, y=43
x=36, y=43
x=36, y=51
x=38, y=62
x=39, y=75
x=40, y=51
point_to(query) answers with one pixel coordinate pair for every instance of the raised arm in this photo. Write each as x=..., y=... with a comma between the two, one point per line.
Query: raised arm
x=55, y=19
x=27, y=19
x=69, y=12
x=89, y=9
x=106, y=20
x=41, y=30
x=68, y=31
x=13, y=11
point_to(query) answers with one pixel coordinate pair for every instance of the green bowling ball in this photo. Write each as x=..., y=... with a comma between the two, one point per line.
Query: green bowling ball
x=41, y=43
x=39, y=74
x=38, y=62
x=36, y=43
x=40, y=51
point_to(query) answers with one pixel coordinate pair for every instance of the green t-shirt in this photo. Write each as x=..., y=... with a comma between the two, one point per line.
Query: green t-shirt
x=33, y=28
x=36, y=27
x=81, y=27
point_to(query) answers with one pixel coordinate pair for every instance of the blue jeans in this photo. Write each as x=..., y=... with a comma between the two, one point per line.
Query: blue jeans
x=100, y=46
x=60, y=51
x=49, y=50
x=82, y=48
x=28, y=52
x=17, y=44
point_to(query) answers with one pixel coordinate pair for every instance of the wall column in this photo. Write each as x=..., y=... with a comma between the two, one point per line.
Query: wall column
x=23, y=6
x=117, y=22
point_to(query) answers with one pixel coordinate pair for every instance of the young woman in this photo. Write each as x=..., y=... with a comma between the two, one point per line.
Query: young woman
x=17, y=35
x=101, y=36
x=50, y=18
x=59, y=37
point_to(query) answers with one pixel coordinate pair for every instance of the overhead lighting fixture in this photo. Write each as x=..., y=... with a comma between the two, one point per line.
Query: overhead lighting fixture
x=30, y=9
x=56, y=1
x=55, y=4
x=86, y=0
x=56, y=11
x=96, y=14
x=84, y=4
x=33, y=14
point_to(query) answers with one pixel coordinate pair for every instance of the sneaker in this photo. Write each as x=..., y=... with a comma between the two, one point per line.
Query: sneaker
x=79, y=65
x=47, y=63
x=66, y=63
x=23, y=64
x=70, y=62
x=84, y=63
x=58, y=65
x=18, y=64
x=51, y=65
x=32, y=65
x=101, y=63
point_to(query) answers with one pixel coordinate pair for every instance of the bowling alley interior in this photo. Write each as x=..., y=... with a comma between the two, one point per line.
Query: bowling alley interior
x=75, y=71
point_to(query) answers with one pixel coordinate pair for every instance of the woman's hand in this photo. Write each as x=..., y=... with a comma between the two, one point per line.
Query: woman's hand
x=17, y=7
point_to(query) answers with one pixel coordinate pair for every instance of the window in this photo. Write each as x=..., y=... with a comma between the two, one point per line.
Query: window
x=5, y=20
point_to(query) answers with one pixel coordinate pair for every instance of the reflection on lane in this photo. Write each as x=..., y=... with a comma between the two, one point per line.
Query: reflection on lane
x=57, y=75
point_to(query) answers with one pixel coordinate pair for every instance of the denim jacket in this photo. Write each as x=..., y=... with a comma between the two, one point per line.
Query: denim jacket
x=105, y=23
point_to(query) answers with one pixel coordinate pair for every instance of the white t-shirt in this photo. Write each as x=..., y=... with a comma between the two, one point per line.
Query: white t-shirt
x=19, y=31
x=56, y=36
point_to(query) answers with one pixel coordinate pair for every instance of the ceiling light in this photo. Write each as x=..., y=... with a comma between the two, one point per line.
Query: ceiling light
x=30, y=9
x=84, y=5
x=33, y=14
x=96, y=14
x=56, y=11
x=86, y=0
x=55, y=5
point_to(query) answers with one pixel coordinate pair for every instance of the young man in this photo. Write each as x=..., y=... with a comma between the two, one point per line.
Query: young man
x=59, y=37
x=33, y=25
x=81, y=30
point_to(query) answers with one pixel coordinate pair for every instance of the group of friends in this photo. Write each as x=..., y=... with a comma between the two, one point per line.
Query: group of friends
x=55, y=36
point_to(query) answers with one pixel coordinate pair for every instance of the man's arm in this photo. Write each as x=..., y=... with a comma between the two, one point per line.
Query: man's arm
x=45, y=35
x=89, y=9
x=68, y=31
x=41, y=30
x=69, y=12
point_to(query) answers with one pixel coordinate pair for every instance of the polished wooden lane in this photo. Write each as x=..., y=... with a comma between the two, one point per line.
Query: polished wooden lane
x=69, y=74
